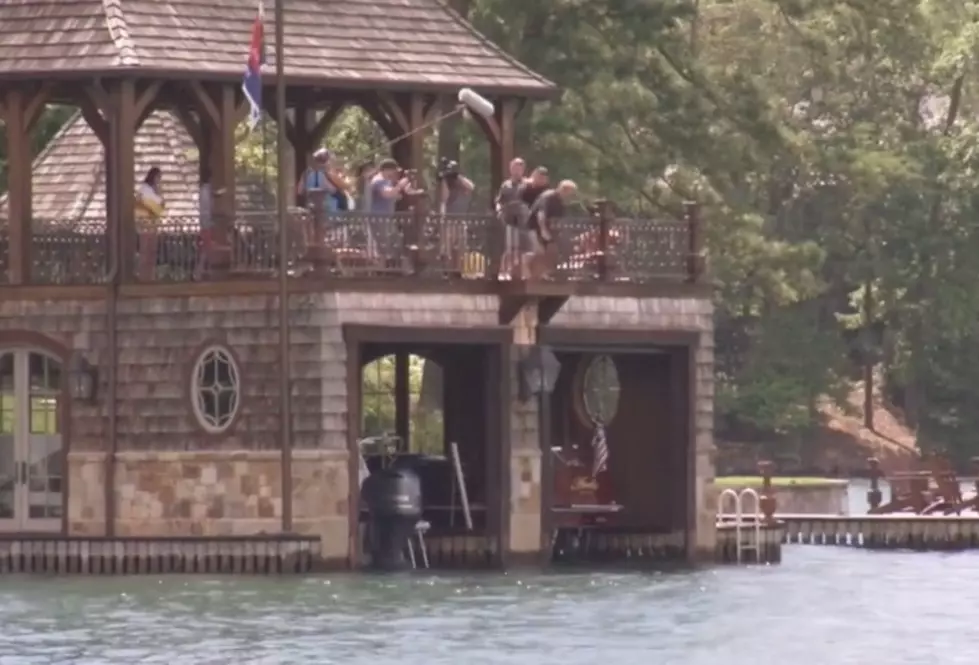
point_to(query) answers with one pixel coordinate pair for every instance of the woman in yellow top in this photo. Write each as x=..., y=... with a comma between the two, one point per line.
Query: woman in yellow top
x=150, y=208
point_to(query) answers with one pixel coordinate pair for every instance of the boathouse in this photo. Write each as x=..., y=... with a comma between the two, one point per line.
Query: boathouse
x=151, y=406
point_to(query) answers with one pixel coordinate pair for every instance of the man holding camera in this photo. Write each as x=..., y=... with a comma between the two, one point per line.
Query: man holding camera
x=385, y=189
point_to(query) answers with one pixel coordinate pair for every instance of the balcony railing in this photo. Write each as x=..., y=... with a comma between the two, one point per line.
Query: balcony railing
x=410, y=245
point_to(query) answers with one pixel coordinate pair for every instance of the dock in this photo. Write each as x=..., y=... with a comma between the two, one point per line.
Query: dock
x=890, y=531
x=256, y=555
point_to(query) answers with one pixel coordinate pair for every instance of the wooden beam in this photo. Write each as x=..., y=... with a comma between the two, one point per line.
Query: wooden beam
x=396, y=110
x=510, y=307
x=99, y=97
x=548, y=307
x=36, y=103
x=433, y=107
x=205, y=104
x=191, y=124
x=95, y=120
x=18, y=186
x=146, y=102
x=322, y=126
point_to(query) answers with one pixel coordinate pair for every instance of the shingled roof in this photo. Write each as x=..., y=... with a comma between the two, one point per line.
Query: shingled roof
x=395, y=44
x=69, y=174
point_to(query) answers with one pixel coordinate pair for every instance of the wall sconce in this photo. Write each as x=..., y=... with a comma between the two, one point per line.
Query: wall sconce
x=83, y=378
x=539, y=370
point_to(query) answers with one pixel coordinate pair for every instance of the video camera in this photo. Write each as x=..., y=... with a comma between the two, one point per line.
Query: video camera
x=448, y=169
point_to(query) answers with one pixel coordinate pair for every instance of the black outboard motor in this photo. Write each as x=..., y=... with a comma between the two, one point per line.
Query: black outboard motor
x=394, y=504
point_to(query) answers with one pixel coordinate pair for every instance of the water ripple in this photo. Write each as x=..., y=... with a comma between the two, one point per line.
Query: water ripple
x=823, y=605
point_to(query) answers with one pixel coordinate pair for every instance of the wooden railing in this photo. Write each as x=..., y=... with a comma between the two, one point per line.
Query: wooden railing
x=597, y=248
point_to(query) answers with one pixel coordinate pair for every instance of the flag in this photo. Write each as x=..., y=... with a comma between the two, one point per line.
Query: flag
x=252, y=82
x=599, y=449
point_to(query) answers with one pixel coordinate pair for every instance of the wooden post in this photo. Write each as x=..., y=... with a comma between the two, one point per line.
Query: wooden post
x=14, y=114
x=417, y=203
x=974, y=462
x=502, y=136
x=874, y=494
x=123, y=141
x=604, y=216
x=766, y=499
x=695, y=242
x=317, y=252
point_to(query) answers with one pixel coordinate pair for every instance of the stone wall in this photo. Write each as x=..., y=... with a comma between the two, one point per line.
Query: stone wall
x=173, y=478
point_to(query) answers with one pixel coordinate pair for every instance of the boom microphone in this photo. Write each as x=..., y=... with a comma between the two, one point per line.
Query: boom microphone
x=476, y=103
x=469, y=100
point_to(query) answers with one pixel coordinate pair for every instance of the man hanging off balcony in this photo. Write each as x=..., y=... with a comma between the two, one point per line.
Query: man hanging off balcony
x=547, y=210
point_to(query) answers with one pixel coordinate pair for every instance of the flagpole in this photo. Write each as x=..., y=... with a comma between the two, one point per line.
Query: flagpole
x=285, y=383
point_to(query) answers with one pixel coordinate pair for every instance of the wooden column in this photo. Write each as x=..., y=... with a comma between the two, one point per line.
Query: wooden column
x=402, y=397
x=122, y=141
x=115, y=112
x=12, y=111
x=20, y=109
x=220, y=110
x=502, y=137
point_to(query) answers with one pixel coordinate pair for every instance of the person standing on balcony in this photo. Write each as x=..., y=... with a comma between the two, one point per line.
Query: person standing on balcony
x=455, y=196
x=549, y=207
x=534, y=186
x=512, y=214
x=385, y=190
x=150, y=208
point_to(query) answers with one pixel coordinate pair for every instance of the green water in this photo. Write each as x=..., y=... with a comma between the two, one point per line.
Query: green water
x=823, y=606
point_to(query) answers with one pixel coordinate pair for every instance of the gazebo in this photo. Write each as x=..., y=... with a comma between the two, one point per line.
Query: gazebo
x=119, y=61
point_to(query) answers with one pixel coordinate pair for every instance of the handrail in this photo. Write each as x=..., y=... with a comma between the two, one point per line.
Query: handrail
x=754, y=520
x=415, y=243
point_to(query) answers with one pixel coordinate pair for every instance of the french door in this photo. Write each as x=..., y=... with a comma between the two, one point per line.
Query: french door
x=31, y=459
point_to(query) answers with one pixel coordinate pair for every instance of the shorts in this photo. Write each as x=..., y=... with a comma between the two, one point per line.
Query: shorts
x=207, y=238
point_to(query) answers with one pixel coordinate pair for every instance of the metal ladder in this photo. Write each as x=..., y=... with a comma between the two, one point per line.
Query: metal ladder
x=753, y=541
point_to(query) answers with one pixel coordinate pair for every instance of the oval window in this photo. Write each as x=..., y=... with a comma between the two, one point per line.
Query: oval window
x=600, y=389
x=216, y=389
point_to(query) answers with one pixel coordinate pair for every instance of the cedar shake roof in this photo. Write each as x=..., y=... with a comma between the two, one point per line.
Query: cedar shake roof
x=394, y=44
x=69, y=174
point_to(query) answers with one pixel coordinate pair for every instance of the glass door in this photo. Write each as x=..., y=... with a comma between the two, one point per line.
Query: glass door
x=9, y=476
x=31, y=460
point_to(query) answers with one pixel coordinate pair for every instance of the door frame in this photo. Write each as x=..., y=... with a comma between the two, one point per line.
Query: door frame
x=28, y=341
x=497, y=341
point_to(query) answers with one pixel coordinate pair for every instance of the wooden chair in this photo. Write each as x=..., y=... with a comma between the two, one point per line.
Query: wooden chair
x=910, y=492
x=947, y=495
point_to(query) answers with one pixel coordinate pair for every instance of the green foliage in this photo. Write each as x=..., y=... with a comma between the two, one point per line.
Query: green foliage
x=426, y=433
x=834, y=147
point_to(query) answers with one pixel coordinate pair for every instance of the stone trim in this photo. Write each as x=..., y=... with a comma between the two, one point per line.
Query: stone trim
x=216, y=455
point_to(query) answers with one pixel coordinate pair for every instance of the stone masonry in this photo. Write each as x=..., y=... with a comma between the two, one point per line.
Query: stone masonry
x=172, y=478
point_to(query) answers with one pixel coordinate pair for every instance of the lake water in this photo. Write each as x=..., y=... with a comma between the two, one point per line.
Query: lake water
x=822, y=605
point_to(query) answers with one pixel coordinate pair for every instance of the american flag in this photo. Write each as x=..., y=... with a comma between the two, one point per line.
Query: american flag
x=599, y=449
x=252, y=82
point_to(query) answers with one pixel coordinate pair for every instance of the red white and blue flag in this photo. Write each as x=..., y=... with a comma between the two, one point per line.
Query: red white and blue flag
x=599, y=449
x=252, y=83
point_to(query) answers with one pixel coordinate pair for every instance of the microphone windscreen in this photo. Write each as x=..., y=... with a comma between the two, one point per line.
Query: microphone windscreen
x=476, y=102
